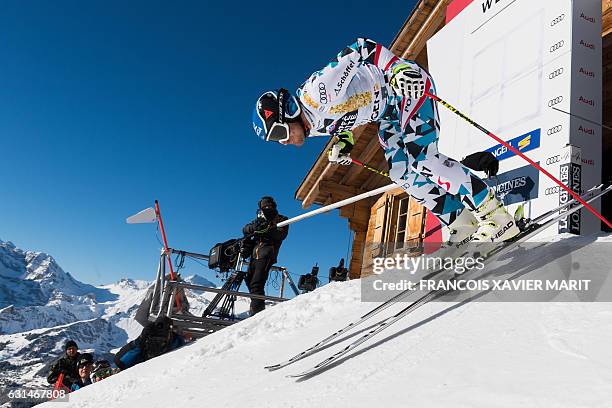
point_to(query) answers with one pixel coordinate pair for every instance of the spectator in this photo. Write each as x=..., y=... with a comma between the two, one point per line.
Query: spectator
x=266, y=242
x=84, y=367
x=156, y=338
x=101, y=370
x=67, y=365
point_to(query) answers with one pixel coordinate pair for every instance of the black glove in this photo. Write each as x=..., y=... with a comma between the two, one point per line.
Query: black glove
x=482, y=161
x=259, y=225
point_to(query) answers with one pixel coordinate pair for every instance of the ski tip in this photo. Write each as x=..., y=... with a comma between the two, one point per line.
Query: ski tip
x=273, y=367
x=300, y=375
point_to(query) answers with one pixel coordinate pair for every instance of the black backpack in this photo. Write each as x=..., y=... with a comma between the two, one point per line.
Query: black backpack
x=156, y=337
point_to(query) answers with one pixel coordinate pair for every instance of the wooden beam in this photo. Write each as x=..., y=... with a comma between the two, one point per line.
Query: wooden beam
x=326, y=186
x=606, y=21
x=314, y=190
x=427, y=30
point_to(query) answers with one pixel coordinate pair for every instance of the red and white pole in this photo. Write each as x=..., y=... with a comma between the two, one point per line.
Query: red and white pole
x=168, y=257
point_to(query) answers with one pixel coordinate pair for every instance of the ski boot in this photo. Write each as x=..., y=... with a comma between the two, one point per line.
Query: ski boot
x=462, y=229
x=494, y=222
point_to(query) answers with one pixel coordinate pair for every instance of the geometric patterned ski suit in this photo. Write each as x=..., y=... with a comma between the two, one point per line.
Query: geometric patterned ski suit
x=353, y=89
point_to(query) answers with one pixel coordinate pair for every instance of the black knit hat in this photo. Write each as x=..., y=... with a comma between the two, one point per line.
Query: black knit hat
x=70, y=343
x=267, y=201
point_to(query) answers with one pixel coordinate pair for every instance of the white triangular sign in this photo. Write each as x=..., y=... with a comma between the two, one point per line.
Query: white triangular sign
x=143, y=217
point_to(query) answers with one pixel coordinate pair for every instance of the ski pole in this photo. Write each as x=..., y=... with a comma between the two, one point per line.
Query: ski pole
x=372, y=169
x=518, y=153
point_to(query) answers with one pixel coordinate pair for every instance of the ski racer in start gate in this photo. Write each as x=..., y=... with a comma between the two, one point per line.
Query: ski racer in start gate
x=367, y=83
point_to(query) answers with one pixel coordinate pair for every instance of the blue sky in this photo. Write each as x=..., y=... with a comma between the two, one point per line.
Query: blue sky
x=106, y=106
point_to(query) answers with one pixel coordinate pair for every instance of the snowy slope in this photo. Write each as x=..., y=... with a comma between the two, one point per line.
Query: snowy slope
x=474, y=354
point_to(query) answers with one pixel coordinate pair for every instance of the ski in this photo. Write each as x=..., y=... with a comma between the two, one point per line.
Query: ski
x=531, y=230
x=400, y=296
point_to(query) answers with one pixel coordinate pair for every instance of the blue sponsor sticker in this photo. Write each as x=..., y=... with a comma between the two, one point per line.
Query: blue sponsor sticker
x=523, y=143
x=516, y=185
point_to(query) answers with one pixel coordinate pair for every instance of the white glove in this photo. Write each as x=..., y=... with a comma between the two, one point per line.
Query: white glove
x=408, y=82
x=335, y=156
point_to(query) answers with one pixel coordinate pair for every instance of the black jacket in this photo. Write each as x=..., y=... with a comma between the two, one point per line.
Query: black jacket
x=267, y=238
x=65, y=365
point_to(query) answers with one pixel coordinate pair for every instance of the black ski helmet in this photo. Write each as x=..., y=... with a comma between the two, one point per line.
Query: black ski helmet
x=272, y=107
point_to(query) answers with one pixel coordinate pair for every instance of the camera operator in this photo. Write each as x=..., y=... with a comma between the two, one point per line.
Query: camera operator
x=262, y=242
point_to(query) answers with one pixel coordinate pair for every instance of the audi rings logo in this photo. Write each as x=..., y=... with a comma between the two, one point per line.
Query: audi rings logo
x=555, y=101
x=557, y=20
x=551, y=190
x=555, y=73
x=554, y=159
x=554, y=129
x=322, y=93
x=556, y=46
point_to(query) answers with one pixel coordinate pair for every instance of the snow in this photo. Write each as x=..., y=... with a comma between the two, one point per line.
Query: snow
x=471, y=354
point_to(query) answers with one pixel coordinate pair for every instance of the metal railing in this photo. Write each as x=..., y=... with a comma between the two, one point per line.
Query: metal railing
x=163, y=297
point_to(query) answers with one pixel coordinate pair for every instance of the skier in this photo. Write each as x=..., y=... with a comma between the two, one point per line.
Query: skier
x=367, y=83
x=262, y=247
x=67, y=365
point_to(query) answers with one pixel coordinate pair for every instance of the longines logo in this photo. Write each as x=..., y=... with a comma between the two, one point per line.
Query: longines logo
x=511, y=185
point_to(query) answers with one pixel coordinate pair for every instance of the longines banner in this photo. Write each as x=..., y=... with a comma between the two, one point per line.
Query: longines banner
x=519, y=67
x=516, y=186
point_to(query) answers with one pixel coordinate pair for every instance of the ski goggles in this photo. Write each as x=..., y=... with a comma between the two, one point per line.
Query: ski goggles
x=279, y=132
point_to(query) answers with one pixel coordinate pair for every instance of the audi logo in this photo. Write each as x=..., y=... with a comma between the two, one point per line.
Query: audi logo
x=556, y=46
x=555, y=101
x=554, y=129
x=554, y=159
x=555, y=73
x=551, y=190
x=557, y=20
x=322, y=93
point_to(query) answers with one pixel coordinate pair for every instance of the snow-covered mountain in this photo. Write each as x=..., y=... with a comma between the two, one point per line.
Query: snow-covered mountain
x=41, y=306
x=466, y=354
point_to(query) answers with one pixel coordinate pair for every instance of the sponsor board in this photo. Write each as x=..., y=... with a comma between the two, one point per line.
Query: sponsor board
x=523, y=143
x=516, y=185
x=571, y=176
